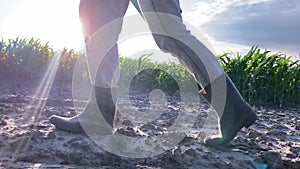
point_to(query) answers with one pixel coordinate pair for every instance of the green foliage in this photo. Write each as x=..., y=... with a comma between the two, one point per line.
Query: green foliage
x=129, y=69
x=68, y=60
x=259, y=75
x=20, y=58
x=262, y=77
x=27, y=59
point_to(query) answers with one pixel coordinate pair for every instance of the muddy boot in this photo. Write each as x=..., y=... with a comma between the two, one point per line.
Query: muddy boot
x=91, y=120
x=234, y=114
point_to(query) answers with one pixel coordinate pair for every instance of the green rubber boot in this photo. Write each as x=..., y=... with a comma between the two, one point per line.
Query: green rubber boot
x=91, y=119
x=234, y=114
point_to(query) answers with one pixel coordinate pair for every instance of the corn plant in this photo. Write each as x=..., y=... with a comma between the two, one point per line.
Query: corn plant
x=169, y=74
x=23, y=58
x=259, y=76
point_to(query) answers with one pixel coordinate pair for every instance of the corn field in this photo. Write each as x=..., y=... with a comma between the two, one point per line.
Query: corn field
x=259, y=75
x=28, y=59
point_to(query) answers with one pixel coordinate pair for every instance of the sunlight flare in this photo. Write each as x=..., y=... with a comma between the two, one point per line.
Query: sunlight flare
x=39, y=99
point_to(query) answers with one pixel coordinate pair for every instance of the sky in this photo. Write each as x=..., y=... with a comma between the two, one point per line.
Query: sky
x=230, y=25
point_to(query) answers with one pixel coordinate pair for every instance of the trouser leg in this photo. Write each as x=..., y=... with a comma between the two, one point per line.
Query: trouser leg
x=101, y=23
x=171, y=36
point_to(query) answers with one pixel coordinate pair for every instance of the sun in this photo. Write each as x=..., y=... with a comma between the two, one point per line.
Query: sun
x=56, y=21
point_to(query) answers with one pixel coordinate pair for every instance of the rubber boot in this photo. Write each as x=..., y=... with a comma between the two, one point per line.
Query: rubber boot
x=234, y=114
x=91, y=120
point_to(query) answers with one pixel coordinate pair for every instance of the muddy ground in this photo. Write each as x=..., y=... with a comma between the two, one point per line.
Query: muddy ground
x=28, y=142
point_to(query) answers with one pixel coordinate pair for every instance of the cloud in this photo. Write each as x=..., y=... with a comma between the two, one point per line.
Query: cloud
x=272, y=24
x=203, y=11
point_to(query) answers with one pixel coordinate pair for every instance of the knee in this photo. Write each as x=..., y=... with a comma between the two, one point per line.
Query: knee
x=163, y=42
x=169, y=44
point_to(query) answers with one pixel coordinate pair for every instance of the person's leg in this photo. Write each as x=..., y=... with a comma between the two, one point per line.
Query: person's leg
x=171, y=36
x=103, y=62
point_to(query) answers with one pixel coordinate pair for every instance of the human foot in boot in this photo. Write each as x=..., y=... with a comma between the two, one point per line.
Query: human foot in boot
x=229, y=128
x=89, y=117
x=71, y=124
x=237, y=113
